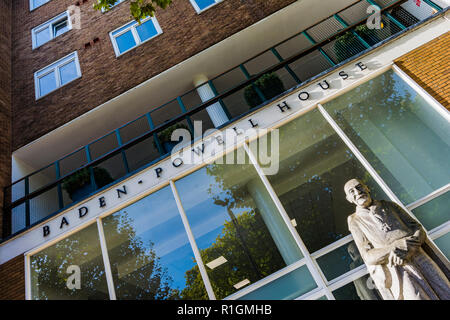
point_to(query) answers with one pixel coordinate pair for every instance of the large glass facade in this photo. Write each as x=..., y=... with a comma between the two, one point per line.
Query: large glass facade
x=404, y=139
x=229, y=231
x=150, y=253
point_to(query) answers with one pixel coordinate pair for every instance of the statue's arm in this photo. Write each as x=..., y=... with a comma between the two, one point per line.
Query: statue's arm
x=419, y=235
x=369, y=254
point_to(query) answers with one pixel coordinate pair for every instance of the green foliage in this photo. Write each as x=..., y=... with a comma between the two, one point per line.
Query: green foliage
x=166, y=134
x=82, y=177
x=270, y=86
x=139, y=9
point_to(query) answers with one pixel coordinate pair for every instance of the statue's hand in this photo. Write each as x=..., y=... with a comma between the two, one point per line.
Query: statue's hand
x=396, y=257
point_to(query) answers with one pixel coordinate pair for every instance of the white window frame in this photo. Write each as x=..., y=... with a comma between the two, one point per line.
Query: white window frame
x=117, y=3
x=50, y=24
x=54, y=67
x=136, y=37
x=197, y=8
x=32, y=7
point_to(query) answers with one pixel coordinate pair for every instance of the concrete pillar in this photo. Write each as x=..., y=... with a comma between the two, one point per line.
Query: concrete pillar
x=215, y=111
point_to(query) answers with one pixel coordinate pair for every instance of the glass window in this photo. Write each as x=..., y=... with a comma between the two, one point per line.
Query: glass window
x=405, y=139
x=50, y=29
x=125, y=41
x=146, y=30
x=435, y=212
x=57, y=74
x=443, y=244
x=340, y=261
x=42, y=36
x=68, y=72
x=37, y=3
x=132, y=34
x=360, y=289
x=115, y=4
x=47, y=83
x=71, y=269
x=201, y=5
x=314, y=165
x=241, y=235
x=149, y=251
x=287, y=287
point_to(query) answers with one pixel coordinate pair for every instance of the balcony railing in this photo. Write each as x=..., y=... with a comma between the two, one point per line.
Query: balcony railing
x=140, y=143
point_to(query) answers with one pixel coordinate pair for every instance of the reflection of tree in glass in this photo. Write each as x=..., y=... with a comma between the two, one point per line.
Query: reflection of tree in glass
x=143, y=276
x=137, y=270
x=244, y=242
x=49, y=269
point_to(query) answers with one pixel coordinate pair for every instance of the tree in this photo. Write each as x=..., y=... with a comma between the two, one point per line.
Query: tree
x=139, y=9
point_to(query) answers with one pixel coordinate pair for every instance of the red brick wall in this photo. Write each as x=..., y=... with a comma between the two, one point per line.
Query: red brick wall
x=185, y=33
x=5, y=98
x=12, y=279
x=429, y=66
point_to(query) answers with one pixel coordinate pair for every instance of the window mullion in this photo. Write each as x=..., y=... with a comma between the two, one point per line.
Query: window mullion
x=106, y=261
x=316, y=274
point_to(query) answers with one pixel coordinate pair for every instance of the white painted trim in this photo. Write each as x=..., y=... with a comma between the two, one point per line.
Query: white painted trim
x=433, y=195
x=272, y=277
x=54, y=67
x=439, y=231
x=343, y=241
x=106, y=263
x=349, y=277
x=197, y=8
x=422, y=92
x=27, y=277
x=194, y=246
x=135, y=34
x=32, y=7
x=316, y=273
x=50, y=25
x=313, y=295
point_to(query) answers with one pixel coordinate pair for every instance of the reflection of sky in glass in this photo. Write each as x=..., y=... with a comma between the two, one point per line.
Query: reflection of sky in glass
x=68, y=72
x=146, y=30
x=47, y=83
x=125, y=41
x=156, y=219
x=205, y=217
x=42, y=36
x=202, y=4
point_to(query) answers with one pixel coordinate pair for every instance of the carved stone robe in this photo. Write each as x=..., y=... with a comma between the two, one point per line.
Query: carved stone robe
x=422, y=277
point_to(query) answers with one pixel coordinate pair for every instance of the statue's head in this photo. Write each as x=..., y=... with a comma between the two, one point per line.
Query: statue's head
x=358, y=193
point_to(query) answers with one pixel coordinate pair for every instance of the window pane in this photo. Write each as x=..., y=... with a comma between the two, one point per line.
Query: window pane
x=128, y=25
x=47, y=84
x=68, y=72
x=287, y=287
x=314, y=165
x=240, y=233
x=149, y=250
x=60, y=28
x=125, y=41
x=404, y=138
x=51, y=268
x=360, y=289
x=202, y=4
x=340, y=261
x=443, y=244
x=37, y=3
x=435, y=212
x=42, y=37
x=146, y=30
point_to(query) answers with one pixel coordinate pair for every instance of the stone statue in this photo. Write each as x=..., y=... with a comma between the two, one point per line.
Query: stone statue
x=401, y=260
